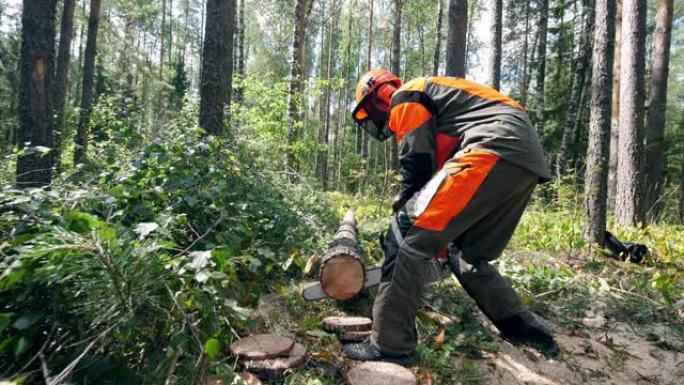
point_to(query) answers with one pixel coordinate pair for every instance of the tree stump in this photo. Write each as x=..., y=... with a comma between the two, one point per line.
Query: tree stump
x=380, y=373
x=350, y=336
x=347, y=324
x=262, y=346
x=342, y=272
x=274, y=368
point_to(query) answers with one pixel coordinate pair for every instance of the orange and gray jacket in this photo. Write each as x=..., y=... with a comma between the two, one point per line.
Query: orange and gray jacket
x=435, y=117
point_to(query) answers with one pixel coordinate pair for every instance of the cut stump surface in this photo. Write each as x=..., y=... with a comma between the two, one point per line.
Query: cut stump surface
x=347, y=324
x=262, y=346
x=275, y=367
x=380, y=373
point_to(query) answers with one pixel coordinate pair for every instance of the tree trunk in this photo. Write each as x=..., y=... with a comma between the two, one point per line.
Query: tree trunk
x=523, y=81
x=655, y=119
x=160, y=76
x=241, y=53
x=217, y=71
x=541, y=72
x=615, y=110
x=596, y=177
x=328, y=75
x=88, y=83
x=36, y=62
x=567, y=148
x=456, y=40
x=302, y=9
x=438, y=38
x=681, y=187
x=395, y=65
x=629, y=196
x=369, y=61
x=494, y=75
x=59, y=90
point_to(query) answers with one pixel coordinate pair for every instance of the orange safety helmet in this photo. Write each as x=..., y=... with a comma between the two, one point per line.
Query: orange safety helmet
x=370, y=82
x=370, y=86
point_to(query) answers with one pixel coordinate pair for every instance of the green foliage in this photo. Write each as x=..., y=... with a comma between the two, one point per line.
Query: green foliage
x=158, y=251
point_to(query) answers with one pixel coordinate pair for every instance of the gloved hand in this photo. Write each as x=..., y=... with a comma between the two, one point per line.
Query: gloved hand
x=398, y=202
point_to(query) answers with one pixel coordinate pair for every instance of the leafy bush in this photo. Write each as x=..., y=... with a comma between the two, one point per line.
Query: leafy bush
x=141, y=266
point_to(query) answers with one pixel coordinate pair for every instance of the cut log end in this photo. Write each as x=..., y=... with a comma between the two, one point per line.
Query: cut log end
x=342, y=277
x=275, y=368
x=262, y=346
x=347, y=324
x=380, y=373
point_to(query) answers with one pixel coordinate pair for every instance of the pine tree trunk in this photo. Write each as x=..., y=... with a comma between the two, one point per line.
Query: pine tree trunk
x=615, y=110
x=567, y=148
x=160, y=75
x=438, y=39
x=217, y=69
x=239, y=91
x=494, y=75
x=395, y=66
x=88, y=83
x=36, y=64
x=596, y=177
x=59, y=90
x=655, y=119
x=329, y=65
x=523, y=81
x=629, y=197
x=541, y=72
x=302, y=9
x=457, y=38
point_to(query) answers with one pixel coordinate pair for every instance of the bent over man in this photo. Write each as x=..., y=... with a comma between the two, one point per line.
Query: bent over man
x=469, y=160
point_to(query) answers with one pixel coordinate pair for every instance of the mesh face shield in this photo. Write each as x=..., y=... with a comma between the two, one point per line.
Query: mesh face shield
x=372, y=114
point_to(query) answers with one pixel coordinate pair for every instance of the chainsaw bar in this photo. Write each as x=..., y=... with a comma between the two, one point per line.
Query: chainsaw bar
x=314, y=291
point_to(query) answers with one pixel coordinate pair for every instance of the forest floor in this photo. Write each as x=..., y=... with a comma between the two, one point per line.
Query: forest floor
x=610, y=328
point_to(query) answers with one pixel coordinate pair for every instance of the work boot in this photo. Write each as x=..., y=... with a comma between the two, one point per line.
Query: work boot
x=366, y=351
x=528, y=329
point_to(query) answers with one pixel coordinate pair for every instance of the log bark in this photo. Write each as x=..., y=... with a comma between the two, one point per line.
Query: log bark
x=347, y=324
x=342, y=272
x=596, y=178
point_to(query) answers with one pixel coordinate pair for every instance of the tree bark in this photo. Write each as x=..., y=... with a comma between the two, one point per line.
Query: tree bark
x=396, y=66
x=567, y=148
x=655, y=118
x=494, y=75
x=302, y=9
x=82, y=131
x=217, y=68
x=160, y=76
x=523, y=81
x=457, y=38
x=329, y=66
x=438, y=38
x=596, y=177
x=615, y=110
x=369, y=61
x=239, y=91
x=629, y=196
x=541, y=72
x=59, y=90
x=36, y=125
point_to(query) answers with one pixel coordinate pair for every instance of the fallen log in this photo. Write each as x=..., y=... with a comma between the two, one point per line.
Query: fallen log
x=342, y=272
x=380, y=373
